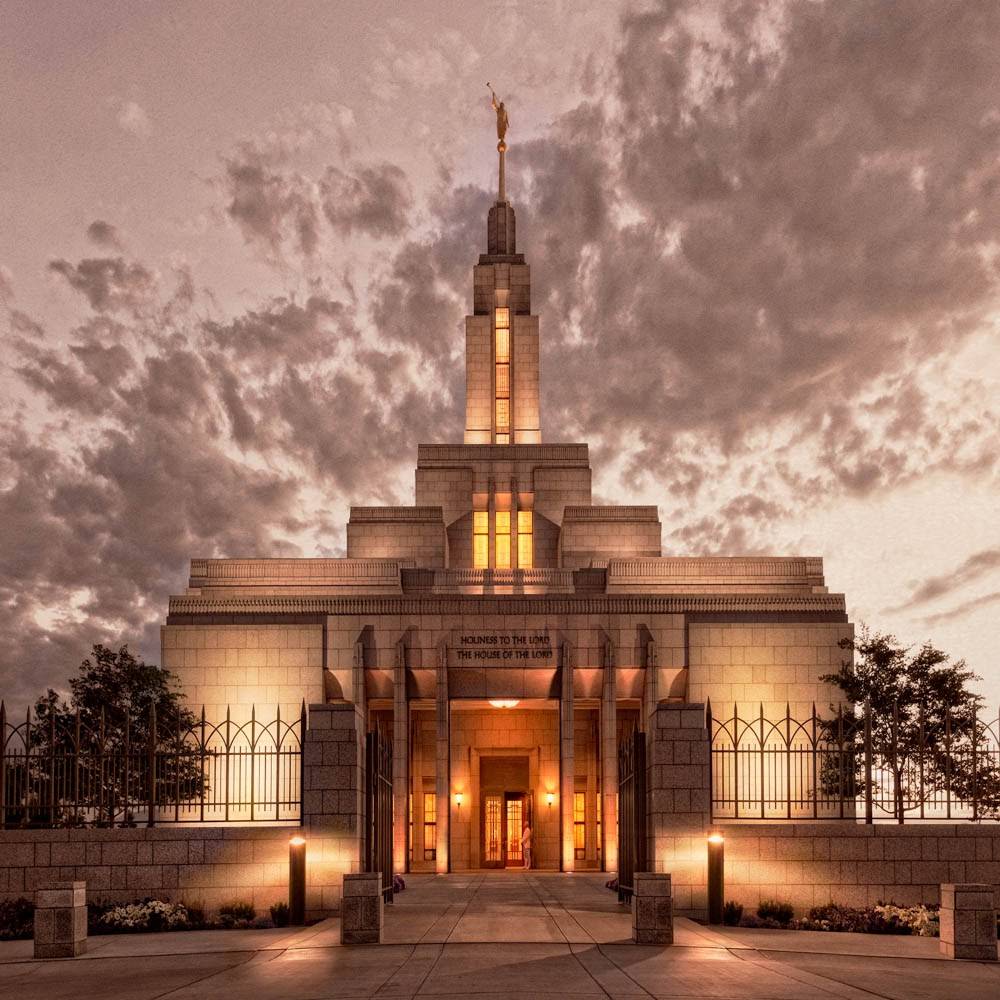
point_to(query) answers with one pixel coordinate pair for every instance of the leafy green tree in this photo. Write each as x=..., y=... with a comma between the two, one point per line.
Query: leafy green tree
x=119, y=708
x=928, y=732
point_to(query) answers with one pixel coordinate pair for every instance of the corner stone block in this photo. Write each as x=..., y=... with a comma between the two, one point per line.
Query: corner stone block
x=968, y=922
x=60, y=920
x=652, y=909
x=362, y=909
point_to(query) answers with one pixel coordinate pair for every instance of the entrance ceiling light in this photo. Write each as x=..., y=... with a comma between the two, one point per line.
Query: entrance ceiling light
x=503, y=702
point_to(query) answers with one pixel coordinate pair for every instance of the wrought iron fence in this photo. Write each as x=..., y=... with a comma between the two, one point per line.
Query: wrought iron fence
x=854, y=766
x=57, y=772
x=631, y=812
x=378, y=809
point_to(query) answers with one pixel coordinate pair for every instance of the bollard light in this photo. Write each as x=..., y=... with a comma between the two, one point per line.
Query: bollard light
x=297, y=880
x=716, y=876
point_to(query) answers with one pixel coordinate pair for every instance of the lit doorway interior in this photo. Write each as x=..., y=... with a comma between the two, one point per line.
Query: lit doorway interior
x=505, y=806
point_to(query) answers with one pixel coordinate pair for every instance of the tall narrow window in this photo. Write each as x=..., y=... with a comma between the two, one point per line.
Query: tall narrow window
x=502, y=357
x=430, y=826
x=503, y=539
x=579, y=825
x=525, y=547
x=480, y=539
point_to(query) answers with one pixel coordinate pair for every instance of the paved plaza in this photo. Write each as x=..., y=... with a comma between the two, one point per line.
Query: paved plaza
x=500, y=935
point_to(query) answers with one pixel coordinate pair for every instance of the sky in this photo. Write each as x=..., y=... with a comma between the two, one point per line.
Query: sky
x=236, y=244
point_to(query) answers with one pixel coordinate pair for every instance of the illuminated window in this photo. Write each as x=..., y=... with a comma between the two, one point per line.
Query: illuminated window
x=430, y=826
x=503, y=539
x=525, y=549
x=579, y=825
x=502, y=359
x=480, y=539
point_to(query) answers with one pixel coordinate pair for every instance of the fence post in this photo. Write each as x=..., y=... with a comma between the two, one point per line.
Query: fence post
x=178, y=756
x=736, y=759
x=126, y=764
x=3, y=766
x=201, y=768
x=922, y=739
x=151, y=820
x=52, y=766
x=788, y=758
x=975, y=765
x=763, y=772
x=253, y=757
x=897, y=780
x=228, y=747
x=868, y=762
x=711, y=762
x=815, y=764
x=947, y=760
x=76, y=768
x=840, y=759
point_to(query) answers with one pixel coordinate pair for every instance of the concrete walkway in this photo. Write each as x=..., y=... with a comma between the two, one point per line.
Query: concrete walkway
x=500, y=935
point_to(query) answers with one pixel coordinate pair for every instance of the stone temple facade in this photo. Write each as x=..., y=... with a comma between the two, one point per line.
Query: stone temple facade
x=505, y=629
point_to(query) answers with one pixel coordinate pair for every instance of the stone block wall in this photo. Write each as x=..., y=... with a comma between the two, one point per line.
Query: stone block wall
x=238, y=666
x=407, y=533
x=773, y=664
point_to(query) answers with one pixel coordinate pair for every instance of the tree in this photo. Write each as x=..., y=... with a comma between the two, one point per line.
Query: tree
x=927, y=730
x=93, y=752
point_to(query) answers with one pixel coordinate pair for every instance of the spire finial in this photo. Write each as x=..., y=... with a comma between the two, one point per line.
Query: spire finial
x=502, y=123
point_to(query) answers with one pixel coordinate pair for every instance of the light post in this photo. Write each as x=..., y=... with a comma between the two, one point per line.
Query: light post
x=716, y=876
x=297, y=880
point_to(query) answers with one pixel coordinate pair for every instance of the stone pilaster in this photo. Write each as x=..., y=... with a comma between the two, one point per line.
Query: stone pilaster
x=400, y=762
x=567, y=773
x=609, y=761
x=443, y=764
x=679, y=802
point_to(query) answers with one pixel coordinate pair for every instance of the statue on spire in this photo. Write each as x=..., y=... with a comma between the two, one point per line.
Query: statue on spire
x=502, y=120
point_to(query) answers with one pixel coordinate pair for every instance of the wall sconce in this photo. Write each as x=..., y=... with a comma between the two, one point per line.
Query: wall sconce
x=297, y=880
x=716, y=876
x=458, y=800
x=549, y=798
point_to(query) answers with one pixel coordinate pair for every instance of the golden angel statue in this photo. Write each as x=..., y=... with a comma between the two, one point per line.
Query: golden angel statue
x=502, y=120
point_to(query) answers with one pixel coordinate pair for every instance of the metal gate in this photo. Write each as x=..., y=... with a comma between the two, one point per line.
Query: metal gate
x=378, y=809
x=631, y=812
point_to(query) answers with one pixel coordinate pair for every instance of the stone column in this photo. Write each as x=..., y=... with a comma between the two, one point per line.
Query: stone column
x=400, y=763
x=363, y=913
x=61, y=920
x=968, y=922
x=609, y=761
x=567, y=772
x=679, y=805
x=652, y=909
x=333, y=802
x=443, y=764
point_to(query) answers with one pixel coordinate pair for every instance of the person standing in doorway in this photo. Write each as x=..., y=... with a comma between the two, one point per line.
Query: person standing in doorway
x=526, y=845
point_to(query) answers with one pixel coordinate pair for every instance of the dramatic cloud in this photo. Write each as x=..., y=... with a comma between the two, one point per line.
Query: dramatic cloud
x=110, y=284
x=975, y=567
x=763, y=248
x=104, y=235
x=374, y=201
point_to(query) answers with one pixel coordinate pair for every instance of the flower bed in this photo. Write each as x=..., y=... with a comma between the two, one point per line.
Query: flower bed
x=883, y=918
x=143, y=916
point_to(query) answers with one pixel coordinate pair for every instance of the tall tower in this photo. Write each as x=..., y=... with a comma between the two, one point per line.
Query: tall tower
x=501, y=336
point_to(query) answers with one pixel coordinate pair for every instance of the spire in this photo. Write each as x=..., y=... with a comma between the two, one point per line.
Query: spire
x=500, y=224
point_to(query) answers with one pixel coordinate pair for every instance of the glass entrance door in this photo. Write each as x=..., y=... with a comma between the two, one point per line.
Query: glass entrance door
x=515, y=814
x=493, y=831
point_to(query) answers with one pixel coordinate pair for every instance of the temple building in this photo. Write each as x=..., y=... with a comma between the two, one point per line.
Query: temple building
x=505, y=629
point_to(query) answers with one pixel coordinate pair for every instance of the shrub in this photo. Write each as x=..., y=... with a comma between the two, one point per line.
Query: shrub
x=885, y=918
x=238, y=914
x=17, y=919
x=732, y=914
x=773, y=909
x=280, y=914
x=768, y=923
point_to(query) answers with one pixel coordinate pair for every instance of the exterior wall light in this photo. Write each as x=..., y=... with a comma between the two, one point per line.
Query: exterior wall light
x=716, y=876
x=504, y=702
x=549, y=798
x=458, y=800
x=297, y=880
